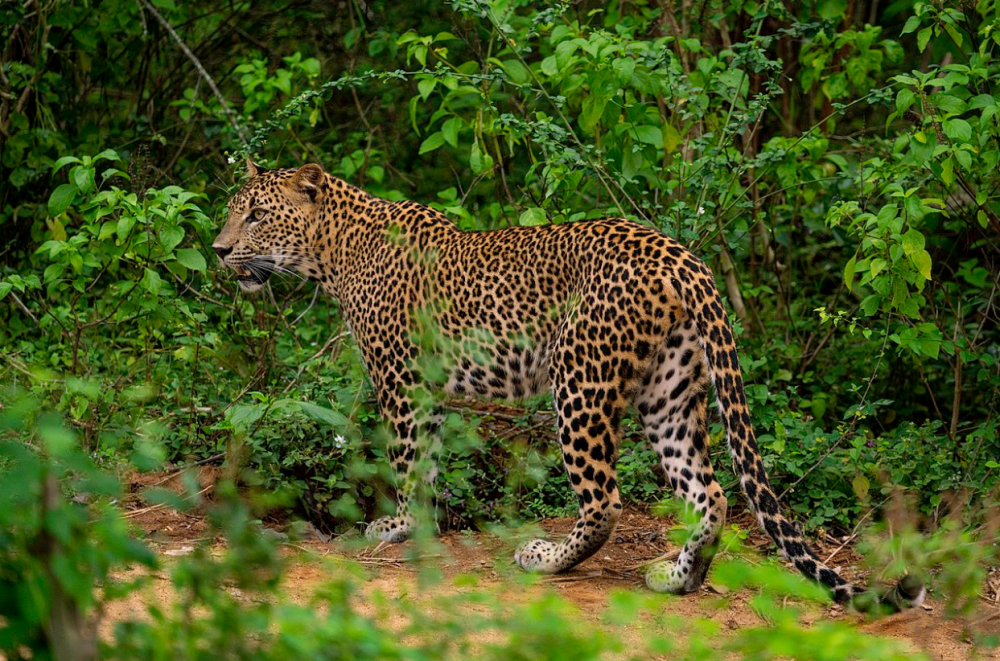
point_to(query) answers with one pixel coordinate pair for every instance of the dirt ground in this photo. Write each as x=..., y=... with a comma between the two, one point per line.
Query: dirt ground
x=391, y=572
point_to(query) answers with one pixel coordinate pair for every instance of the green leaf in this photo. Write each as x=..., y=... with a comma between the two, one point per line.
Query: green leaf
x=922, y=260
x=954, y=34
x=107, y=155
x=170, y=237
x=957, y=129
x=242, y=416
x=849, y=272
x=83, y=178
x=533, y=216
x=912, y=23
x=479, y=161
x=593, y=108
x=624, y=68
x=426, y=86
x=192, y=259
x=326, y=416
x=517, y=72
x=5, y=288
x=929, y=347
x=878, y=265
x=450, y=131
x=913, y=241
x=151, y=281
x=870, y=304
x=950, y=104
x=923, y=37
x=861, y=486
x=831, y=9
x=550, y=67
x=671, y=138
x=61, y=198
x=125, y=225
x=904, y=99
x=651, y=135
x=65, y=160
x=948, y=171
x=914, y=207
x=433, y=141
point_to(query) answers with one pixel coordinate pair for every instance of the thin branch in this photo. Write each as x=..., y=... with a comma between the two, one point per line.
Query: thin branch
x=23, y=307
x=201, y=70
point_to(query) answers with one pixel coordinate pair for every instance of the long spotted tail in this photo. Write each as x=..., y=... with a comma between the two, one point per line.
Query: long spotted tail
x=694, y=283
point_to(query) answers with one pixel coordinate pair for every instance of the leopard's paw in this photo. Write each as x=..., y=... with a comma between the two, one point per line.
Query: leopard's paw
x=662, y=577
x=393, y=529
x=538, y=555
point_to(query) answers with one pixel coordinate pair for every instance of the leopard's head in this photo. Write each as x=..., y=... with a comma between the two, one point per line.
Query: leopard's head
x=270, y=221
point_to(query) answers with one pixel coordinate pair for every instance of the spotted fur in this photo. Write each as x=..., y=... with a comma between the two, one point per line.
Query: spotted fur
x=603, y=313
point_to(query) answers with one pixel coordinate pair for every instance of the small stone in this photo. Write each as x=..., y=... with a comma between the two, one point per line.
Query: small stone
x=184, y=550
x=274, y=535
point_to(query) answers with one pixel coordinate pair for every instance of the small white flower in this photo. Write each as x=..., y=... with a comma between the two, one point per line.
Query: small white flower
x=701, y=211
x=339, y=441
x=231, y=160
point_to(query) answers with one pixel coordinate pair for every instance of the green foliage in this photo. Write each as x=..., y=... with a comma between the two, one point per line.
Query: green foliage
x=837, y=170
x=64, y=550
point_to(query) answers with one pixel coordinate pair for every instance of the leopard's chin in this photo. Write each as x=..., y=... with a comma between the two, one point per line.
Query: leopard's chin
x=250, y=286
x=252, y=275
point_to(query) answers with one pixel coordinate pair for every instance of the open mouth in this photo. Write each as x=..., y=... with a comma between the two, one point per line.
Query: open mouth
x=254, y=273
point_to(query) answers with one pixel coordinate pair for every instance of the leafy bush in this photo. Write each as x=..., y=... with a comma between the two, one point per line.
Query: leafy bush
x=834, y=166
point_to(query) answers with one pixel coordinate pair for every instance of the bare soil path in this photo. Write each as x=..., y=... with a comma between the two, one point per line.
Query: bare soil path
x=391, y=571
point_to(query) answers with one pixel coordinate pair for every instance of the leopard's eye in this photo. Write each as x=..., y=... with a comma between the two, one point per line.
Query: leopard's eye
x=256, y=216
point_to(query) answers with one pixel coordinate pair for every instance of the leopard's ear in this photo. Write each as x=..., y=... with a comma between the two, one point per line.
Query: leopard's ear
x=308, y=180
x=253, y=169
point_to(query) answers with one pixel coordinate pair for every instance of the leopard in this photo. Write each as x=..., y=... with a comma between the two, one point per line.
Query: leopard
x=611, y=316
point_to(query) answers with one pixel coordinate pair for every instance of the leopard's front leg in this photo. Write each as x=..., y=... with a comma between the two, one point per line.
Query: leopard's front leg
x=412, y=456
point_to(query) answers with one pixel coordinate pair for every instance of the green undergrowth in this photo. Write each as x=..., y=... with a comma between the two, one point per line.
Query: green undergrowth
x=65, y=553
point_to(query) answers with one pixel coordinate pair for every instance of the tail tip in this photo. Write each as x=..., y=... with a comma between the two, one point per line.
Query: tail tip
x=908, y=593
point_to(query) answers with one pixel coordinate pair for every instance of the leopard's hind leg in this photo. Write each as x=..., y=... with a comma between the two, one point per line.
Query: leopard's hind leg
x=592, y=390
x=672, y=408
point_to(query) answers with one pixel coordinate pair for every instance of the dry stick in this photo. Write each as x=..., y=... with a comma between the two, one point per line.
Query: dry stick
x=852, y=536
x=957, y=399
x=201, y=70
x=23, y=307
x=571, y=578
x=187, y=466
x=669, y=555
x=158, y=506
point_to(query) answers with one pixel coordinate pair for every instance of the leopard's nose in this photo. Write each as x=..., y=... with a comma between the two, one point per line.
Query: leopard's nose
x=222, y=251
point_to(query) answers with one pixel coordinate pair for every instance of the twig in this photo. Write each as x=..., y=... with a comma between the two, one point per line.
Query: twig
x=23, y=307
x=184, y=468
x=850, y=538
x=158, y=506
x=668, y=556
x=201, y=70
x=311, y=304
x=572, y=577
x=316, y=355
x=957, y=398
x=516, y=430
